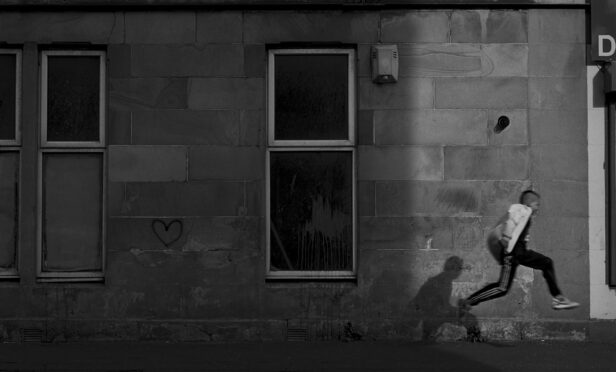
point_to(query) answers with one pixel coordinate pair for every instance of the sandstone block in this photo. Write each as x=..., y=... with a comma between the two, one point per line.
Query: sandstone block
x=415, y=27
x=430, y=127
x=493, y=93
x=145, y=27
x=187, y=60
x=219, y=27
x=147, y=163
x=185, y=127
x=222, y=93
x=487, y=163
x=272, y=27
x=226, y=163
x=400, y=163
x=407, y=93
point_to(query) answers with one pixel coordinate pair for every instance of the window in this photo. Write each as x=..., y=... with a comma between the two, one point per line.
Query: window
x=311, y=164
x=10, y=153
x=71, y=206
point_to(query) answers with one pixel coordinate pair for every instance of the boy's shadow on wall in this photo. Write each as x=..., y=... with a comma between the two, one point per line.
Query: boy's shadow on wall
x=432, y=305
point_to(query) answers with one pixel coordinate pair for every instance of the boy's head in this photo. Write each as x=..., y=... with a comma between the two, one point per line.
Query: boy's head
x=530, y=199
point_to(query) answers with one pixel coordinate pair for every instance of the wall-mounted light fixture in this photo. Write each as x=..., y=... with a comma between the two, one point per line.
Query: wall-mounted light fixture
x=384, y=63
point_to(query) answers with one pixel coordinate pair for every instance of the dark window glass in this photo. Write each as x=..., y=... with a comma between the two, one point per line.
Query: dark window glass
x=9, y=175
x=73, y=98
x=72, y=211
x=311, y=210
x=311, y=97
x=7, y=96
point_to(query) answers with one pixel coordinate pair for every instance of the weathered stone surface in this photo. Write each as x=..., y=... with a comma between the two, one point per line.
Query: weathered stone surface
x=411, y=233
x=501, y=93
x=145, y=27
x=366, y=198
x=559, y=162
x=47, y=27
x=489, y=26
x=414, y=27
x=255, y=199
x=556, y=26
x=182, y=199
x=506, y=59
x=116, y=192
x=365, y=127
x=119, y=127
x=252, y=128
x=563, y=198
x=226, y=163
x=196, y=234
x=421, y=198
x=185, y=127
x=284, y=26
x=497, y=196
x=255, y=61
x=553, y=234
x=221, y=93
x=159, y=93
x=430, y=127
x=147, y=163
x=486, y=163
x=557, y=60
x=400, y=163
x=119, y=59
x=558, y=126
x=187, y=60
x=557, y=93
x=407, y=93
x=517, y=131
x=219, y=27
x=457, y=60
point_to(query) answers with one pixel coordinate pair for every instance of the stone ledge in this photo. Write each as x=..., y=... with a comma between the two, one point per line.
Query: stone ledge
x=442, y=330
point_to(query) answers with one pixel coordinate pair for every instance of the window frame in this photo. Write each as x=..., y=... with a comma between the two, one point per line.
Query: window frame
x=15, y=146
x=311, y=146
x=70, y=275
x=14, y=272
x=102, y=98
x=18, y=88
x=271, y=105
x=72, y=147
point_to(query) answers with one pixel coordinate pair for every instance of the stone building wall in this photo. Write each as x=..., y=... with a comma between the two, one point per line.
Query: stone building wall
x=187, y=141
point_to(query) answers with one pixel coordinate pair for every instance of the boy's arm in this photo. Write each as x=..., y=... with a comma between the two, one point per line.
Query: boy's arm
x=518, y=216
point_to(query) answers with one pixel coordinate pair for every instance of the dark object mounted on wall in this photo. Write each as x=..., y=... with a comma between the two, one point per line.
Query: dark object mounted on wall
x=501, y=124
x=384, y=63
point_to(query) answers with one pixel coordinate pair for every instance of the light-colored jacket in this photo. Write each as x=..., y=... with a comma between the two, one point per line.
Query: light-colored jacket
x=511, y=225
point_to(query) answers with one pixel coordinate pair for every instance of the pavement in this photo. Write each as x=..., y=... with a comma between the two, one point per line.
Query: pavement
x=310, y=356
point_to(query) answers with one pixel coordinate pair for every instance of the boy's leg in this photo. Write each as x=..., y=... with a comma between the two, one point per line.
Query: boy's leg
x=496, y=289
x=538, y=261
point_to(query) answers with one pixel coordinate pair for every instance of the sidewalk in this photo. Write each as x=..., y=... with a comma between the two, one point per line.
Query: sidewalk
x=302, y=356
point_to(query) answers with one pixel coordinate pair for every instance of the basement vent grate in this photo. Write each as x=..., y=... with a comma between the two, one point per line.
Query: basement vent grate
x=297, y=334
x=34, y=335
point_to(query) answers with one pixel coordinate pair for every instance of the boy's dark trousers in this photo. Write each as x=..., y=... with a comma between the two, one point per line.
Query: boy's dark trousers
x=520, y=256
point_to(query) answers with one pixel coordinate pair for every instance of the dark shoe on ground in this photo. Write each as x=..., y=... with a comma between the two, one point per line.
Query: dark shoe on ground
x=563, y=303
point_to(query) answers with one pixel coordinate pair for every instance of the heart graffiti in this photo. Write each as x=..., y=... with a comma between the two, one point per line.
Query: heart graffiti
x=168, y=233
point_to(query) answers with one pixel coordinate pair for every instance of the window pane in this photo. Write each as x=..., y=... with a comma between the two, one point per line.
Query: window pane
x=311, y=97
x=311, y=210
x=73, y=98
x=9, y=176
x=72, y=212
x=7, y=96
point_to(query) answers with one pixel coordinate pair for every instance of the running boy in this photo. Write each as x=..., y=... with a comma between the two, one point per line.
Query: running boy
x=508, y=243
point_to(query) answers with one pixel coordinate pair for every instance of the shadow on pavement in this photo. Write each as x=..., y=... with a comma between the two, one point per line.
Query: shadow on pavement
x=432, y=308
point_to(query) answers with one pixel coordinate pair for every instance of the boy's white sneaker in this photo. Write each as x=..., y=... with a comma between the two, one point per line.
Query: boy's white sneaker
x=563, y=303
